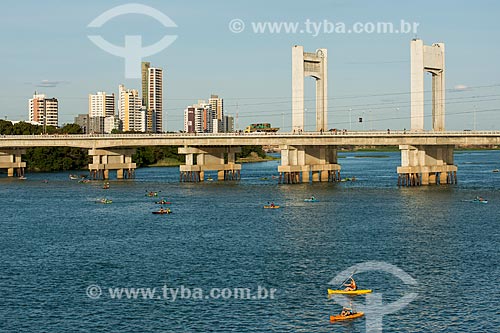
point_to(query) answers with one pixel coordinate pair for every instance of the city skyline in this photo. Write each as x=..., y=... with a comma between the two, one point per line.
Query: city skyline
x=369, y=74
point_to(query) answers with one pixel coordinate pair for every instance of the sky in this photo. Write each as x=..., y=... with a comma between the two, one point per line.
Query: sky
x=45, y=48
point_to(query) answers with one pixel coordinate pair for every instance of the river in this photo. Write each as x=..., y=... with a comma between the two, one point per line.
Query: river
x=58, y=245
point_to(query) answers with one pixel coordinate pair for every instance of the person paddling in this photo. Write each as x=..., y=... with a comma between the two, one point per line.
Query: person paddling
x=351, y=286
x=346, y=312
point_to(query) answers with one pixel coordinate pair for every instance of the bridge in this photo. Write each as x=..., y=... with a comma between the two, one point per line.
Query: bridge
x=426, y=156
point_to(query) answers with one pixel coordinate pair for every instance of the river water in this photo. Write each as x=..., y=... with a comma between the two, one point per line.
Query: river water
x=56, y=241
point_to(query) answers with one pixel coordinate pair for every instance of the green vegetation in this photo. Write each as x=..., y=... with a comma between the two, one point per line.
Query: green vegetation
x=48, y=159
x=157, y=156
x=246, y=150
x=167, y=162
x=253, y=157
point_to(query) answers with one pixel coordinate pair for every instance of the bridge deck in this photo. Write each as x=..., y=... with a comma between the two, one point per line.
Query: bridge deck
x=351, y=138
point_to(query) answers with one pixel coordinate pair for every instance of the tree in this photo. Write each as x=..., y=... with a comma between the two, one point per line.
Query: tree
x=6, y=127
x=71, y=129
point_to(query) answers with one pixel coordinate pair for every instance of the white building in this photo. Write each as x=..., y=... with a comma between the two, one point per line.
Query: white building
x=111, y=123
x=43, y=110
x=217, y=105
x=129, y=109
x=101, y=104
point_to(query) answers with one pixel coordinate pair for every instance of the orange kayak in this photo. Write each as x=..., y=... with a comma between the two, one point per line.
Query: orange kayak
x=353, y=316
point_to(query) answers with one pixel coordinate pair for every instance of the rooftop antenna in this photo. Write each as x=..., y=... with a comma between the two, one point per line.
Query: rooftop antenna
x=237, y=109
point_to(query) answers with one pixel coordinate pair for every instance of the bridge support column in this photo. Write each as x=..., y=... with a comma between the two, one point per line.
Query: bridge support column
x=426, y=165
x=11, y=160
x=112, y=159
x=298, y=163
x=220, y=159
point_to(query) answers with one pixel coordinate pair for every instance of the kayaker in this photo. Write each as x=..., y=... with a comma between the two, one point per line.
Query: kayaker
x=351, y=286
x=346, y=312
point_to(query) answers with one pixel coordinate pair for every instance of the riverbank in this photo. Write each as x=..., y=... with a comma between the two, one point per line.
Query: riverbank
x=252, y=158
x=255, y=158
x=166, y=162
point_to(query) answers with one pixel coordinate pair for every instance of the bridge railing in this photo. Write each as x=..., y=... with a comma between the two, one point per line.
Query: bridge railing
x=390, y=133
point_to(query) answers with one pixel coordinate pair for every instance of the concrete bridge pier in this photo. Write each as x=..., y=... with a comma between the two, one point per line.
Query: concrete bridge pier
x=11, y=160
x=299, y=163
x=199, y=160
x=426, y=165
x=104, y=160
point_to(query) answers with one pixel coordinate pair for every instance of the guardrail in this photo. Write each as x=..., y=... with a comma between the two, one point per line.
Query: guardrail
x=261, y=134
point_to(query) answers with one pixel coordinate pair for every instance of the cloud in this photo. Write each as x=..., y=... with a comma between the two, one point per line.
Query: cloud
x=50, y=83
x=460, y=87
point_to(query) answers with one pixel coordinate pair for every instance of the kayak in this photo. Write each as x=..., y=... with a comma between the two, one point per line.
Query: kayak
x=350, y=292
x=105, y=201
x=339, y=317
x=163, y=202
x=311, y=200
x=484, y=201
x=271, y=207
x=164, y=212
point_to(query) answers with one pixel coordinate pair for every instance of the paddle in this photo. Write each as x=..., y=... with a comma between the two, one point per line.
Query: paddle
x=350, y=276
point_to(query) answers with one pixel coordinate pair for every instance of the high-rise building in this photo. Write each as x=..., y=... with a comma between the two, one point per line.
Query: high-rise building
x=189, y=119
x=96, y=124
x=101, y=107
x=228, y=124
x=145, y=83
x=101, y=104
x=83, y=121
x=198, y=118
x=129, y=109
x=44, y=111
x=152, y=96
x=217, y=105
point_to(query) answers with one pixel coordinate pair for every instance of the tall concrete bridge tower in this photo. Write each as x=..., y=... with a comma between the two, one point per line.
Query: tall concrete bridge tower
x=430, y=59
x=309, y=64
x=427, y=164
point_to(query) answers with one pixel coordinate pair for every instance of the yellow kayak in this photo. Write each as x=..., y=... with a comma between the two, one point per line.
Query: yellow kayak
x=351, y=292
x=271, y=207
x=352, y=316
